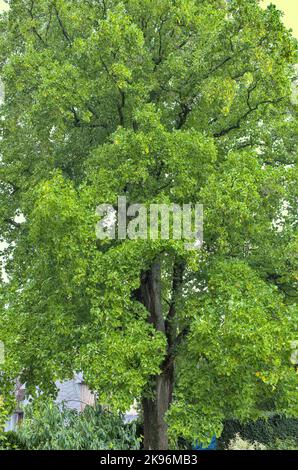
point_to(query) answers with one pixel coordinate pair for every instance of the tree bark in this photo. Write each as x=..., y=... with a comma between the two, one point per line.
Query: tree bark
x=154, y=411
x=156, y=404
x=158, y=400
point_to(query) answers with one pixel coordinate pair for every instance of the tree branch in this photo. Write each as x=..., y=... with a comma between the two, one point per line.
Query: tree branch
x=237, y=125
x=33, y=29
x=120, y=107
x=64, y=32
x=178, y=272
x=79, y=123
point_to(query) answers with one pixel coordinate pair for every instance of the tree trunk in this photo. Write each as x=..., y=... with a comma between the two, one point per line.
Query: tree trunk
x=155, y=406
x=154, y=411
x=158, y=401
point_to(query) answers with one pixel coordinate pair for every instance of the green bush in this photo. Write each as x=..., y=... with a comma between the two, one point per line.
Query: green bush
x=12, y=442
x=48, y=426
x=271, y=432
x=286, y=444
x=3, y=419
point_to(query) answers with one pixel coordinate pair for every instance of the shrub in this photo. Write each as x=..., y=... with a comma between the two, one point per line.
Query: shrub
x=12, y=442
x=276, y=429
x=48, y=426
x=240, y=444
x=3, y=419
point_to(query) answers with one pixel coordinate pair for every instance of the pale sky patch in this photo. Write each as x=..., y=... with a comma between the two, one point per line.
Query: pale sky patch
x=3, y=6
x=290, y=9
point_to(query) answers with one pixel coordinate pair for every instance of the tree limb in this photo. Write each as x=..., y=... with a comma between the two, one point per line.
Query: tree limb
x=64, y=32
x=237, y=124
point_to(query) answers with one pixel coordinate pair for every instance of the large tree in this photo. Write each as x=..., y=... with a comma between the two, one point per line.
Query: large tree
x=162, y=102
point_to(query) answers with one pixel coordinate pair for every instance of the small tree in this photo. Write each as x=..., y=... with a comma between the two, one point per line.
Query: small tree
x=49, y=426
x=162, y=102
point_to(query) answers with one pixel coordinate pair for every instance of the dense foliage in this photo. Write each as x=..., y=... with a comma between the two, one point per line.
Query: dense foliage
x=238, y=443
x=6, y=407
x=3, y=418
x=159, y=101
x=273, y=430
x=51, y=427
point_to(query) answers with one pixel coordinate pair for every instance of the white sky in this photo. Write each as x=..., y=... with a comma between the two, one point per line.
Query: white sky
x=3, y=6
x=290, y=9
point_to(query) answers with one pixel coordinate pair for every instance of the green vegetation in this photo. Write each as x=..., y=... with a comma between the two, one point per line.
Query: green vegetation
x=3, y=418
x=49, y=426
x=273, y=432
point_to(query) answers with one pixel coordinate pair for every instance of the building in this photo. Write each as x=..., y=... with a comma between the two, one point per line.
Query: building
x=74, y=393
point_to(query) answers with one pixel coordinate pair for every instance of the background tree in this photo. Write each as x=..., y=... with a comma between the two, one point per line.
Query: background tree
x=160, y=101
